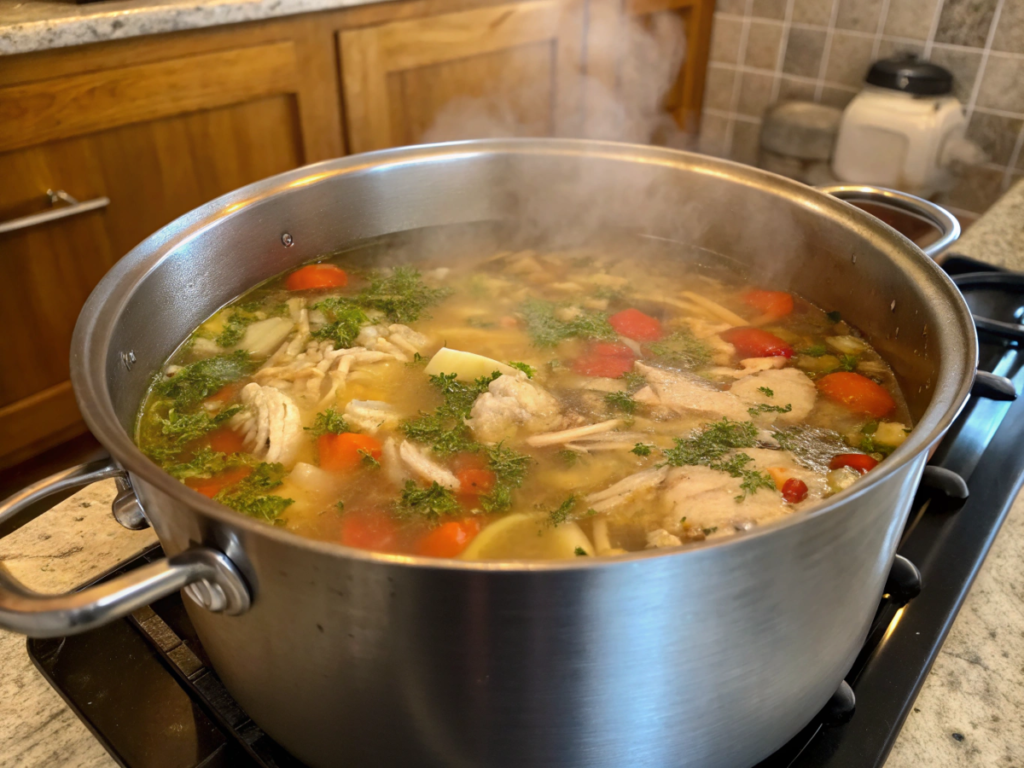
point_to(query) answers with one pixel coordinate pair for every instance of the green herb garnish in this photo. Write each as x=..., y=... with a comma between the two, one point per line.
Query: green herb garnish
x=563, y=512
x=620, y=401
x=569, y=457
x=329, y=422
x=207, y=462
x=847, y=362
x=682, y=350
x=182, y=428
x=766, y=408
x=368, y=459
x=524, y=367
x=431, y=503
x=546, y=330
x=709, y=531
x=402, y=295
x=250, y=496
x=815, y=350
x=509, y=468
x=197, y=381
x=641, y=449
x=580, y=552
x=766, y=391
x=709, y=448
x=445, y=429
x=345, y=319
x=634, y=381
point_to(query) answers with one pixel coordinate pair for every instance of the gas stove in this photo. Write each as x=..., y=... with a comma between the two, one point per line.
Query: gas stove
x=146, y=690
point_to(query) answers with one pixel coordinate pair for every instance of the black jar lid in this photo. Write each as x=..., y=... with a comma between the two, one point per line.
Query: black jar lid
x=910, y=74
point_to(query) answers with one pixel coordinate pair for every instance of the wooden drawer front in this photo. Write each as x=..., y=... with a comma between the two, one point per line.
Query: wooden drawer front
x=407, y=80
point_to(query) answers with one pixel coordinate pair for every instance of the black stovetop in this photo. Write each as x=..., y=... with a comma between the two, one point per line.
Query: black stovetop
x=144, y=686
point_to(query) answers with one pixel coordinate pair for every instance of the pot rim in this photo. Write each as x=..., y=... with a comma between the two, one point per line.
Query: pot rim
x=91, y=341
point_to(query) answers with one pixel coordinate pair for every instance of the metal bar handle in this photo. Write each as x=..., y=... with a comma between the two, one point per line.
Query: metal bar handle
x=218, y=585
x=73, y=208
x=939, y=217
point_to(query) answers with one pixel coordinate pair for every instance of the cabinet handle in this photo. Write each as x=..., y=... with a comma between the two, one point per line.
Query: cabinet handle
x=72, y=208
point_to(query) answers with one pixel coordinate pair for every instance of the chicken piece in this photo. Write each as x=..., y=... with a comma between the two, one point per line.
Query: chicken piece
x=749, y=366
x=722, y=352
x=627, y=489
x=372, y=415
x=392, y=464
x=707, y=498
x=683, y=393
x=509, y=403
x=398, y=340
x=782, y=465
x=568, y=435
x=789, y=386
x=270, y=424
x=660, y=538
x=421, y=466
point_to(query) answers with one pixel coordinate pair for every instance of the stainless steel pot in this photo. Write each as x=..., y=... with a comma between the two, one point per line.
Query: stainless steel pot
x=712, y=656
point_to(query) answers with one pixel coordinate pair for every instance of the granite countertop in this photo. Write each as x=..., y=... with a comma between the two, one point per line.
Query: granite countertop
x=38, y=25
x=967, y=714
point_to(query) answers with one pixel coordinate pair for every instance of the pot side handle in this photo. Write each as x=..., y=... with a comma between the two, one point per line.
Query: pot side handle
x=936, y=215
x=217, y=584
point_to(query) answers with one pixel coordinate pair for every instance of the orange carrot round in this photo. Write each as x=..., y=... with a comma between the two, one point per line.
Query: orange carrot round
x=448, y=539
x=475, y=482
x=345, y=452
x=316, y=276
x=634, y=324
x=858, y=393
x=225, y=440
x=369, y=529
x=858, y=461
x=211, y=486
x=775, y=304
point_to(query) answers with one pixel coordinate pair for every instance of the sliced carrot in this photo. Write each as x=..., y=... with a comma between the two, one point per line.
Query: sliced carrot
x=475, y=482
x=634, y=324
x=316, y=276
x=858, y=461
x=448, y=539
x=753, y=342
x=605, y=359
x=794, y=490
x=226, y=393
x=211, y=486
x=345, y=452
x=858, y=393
x=369, y=529
x=775, y=304
x=226, y=440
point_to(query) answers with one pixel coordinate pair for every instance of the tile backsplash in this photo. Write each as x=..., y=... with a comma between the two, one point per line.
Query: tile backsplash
x=764, y=51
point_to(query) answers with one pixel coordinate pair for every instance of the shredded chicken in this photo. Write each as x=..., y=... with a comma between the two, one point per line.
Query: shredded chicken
x=660, y=538
x=270, y=424
x=509, y=403
x=682, y=393
x=626, y=489
x=789, y=387
x=399, y=341
x=372, y=415
x=569, y=435
x=421, y=466
x=749, y=366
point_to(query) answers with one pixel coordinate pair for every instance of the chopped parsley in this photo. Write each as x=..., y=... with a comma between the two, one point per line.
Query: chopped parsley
x=402, y=295
x=767, y=392
x=509, y=468
x=641, y=449
x=546, y=330
x=620, y=401
x=847, y=362
x=182, y=428
x=815, y=350
x=524, y=367
x=580, y=552
x=709, y=448
x=206, y=462
x=682, y=350
x=340, y=505
x=569, y=457
x=563, y=512
x=250, y=495
x=709, y=531
x=634, y=380
x=445, y=429
x=766, y=408
x=329, y=422
x=418, y=359
x=430, y=503
x=196, y=381
x=368, y=459
x=344, y=321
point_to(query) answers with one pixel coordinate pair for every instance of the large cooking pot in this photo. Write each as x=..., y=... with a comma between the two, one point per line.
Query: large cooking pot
x=714, y=655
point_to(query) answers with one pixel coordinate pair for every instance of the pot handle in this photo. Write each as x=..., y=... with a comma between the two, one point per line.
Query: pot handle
x=936, y=215
x=216, y=583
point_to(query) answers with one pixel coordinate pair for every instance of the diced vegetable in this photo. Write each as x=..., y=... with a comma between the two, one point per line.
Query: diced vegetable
x=466, y=366
x=634, y=324
x=890, y=433
x=858, y=461
x=448, y=539
x=841, y=479
x=316, y=277
x=369, y=529
x=211, y=486
x=754, y=342
x=475, y=482
x=775, y=304
x=345, y=452
x=265, y=336
x=605, y=359
x=794, y=490
x=529, y=536
x=858, y=393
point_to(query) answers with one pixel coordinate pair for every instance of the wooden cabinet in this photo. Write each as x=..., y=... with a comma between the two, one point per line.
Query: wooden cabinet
x=159, y=125
x=510, y=69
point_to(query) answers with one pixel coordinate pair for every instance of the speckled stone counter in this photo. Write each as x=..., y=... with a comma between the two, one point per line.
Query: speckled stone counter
x=998, y=236
x=37, y=25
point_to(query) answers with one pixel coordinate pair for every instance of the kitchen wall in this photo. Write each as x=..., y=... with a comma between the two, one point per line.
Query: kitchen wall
x=763, y=51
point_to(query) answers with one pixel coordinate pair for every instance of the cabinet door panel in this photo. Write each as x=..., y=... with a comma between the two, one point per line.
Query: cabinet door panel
x=520, y=63
x=152, y=172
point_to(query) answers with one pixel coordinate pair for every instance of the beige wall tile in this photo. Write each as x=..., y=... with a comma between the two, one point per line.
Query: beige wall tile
x=812, y=11
x=995, y=134
x=964, y=65
x=725, y=40
x=755, y=94
x=1010, y=28
x=859, y=15
x=803, y=52
x=795, y=90
x=965, y=22
x=848, y=60
x=746, y=140
x=713, y=132
x=769, y=9
x=719, y=87
x=1002, y=84
x=763, y=41
x=910, y=18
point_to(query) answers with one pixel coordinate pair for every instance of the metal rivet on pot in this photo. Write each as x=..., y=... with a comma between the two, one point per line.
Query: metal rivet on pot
x=207, y=594
x=128, y=359
x=288, y=240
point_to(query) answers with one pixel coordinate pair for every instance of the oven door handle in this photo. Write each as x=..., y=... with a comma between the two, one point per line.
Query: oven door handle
x=936, y=215
x=208, y=575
